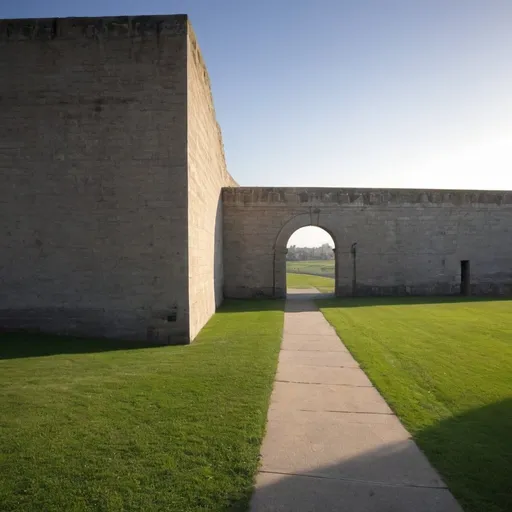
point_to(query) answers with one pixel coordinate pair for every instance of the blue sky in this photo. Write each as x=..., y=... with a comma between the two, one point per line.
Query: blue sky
x=370, y=93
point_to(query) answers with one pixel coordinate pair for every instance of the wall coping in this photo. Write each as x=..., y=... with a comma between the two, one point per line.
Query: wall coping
x=320, y=196
x=110, y=27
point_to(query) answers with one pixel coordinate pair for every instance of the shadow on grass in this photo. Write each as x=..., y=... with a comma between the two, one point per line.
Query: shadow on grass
x=354, y=302
x=17, y=345
x=313, y=301
x=247, y=305
x=472, y=452
x=21, y=344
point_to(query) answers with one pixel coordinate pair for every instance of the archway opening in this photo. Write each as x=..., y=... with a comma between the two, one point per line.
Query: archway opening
x=310, y=262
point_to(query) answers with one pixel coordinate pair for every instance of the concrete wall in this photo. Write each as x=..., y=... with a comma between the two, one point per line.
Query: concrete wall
x=93, y=176
x=113, y=220
x=408, y=241
x=207, y=175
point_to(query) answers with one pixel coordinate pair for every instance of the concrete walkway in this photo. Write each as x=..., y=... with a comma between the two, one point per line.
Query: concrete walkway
x=332, y=442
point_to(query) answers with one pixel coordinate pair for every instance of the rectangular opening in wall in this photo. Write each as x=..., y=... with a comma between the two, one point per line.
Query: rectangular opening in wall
x=464, y=277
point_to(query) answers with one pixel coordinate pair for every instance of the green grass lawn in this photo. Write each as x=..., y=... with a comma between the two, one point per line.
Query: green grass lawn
x=315, y=267
x=323, y=284
x=446, y=369
x=92, y=425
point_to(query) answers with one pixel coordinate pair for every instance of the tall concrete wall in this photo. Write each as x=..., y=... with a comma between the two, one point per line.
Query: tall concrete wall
x=93, y=176
x=408, y=241
x=207, y=174
x=113, y=217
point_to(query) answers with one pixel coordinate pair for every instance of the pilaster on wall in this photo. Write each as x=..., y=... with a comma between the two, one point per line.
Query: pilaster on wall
x=279, y=270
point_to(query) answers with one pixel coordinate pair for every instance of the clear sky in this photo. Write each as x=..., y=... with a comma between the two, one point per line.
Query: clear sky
x=370, y=93
x=310, y=236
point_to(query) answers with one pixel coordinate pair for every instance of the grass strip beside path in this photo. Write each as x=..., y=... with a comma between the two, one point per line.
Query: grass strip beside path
x=445, y=367
x=95, y=425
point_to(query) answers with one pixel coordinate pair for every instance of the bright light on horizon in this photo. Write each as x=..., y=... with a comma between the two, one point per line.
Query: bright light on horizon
x=310, y=236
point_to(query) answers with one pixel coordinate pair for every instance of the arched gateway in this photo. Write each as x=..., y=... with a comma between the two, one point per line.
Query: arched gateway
x=301, y=220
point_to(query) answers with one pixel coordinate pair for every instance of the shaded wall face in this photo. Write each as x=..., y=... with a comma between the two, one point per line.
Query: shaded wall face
x=407, y=241
x=207, y=175
x=93, y=199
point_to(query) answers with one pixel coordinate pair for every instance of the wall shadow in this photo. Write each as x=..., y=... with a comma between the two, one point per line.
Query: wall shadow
x=295, y=295
x=313, y=301
x=353, y=302
x=245, y=305
x=471, y=452
x=17, y=345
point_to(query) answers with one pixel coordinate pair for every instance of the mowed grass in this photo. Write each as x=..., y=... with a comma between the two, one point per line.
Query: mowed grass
x=92, y=425
x=323, y=284
x=316, y=267
x=446, y=370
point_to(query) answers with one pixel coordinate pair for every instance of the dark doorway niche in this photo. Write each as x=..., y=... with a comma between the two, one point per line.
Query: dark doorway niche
x=464, y=277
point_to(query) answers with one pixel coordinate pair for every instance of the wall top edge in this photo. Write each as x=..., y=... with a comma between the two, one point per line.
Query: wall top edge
x=29, y=29
x=307, y=196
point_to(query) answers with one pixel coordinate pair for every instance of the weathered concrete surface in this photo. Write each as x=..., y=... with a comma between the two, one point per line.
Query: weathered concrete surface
x=294, y=493
x=373, y=447
x=322, y=375
x=111, y=171
x=336, y=446
x=93, y=176
x=309, y=342
x=327, y=397
x=409, y=242
x=118, y=217
x=323, y=358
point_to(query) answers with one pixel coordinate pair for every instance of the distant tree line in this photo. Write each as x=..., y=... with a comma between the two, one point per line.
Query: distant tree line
x=324, y=252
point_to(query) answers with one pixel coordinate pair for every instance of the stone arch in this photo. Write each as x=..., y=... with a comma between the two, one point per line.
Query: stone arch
x=312, y=218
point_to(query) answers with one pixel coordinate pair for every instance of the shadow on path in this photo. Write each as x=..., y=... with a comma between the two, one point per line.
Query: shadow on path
x=307, y=294
x=472, y=452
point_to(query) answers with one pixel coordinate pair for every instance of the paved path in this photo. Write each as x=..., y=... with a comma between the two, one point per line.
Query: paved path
x=332, y=442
